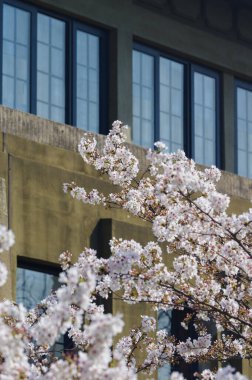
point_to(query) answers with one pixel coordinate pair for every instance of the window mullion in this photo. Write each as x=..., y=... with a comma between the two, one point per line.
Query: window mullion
x=33, y=63
x=68, y=73
x=156, y=133
x=1, y=54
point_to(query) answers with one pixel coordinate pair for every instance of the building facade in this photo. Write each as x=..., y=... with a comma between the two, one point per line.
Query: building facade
x=174, y=70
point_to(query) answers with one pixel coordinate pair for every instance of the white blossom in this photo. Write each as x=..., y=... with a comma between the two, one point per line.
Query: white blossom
x=7, y=238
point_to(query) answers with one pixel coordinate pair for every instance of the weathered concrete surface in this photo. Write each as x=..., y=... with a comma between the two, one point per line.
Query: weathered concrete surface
x=7, y=290
x=44, y=219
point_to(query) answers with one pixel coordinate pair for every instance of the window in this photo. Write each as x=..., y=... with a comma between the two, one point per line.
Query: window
x=51, y=36
x=54, y=67
x=170, y=320
x=175, y=102
x=164, y=323
x=171, y=109
x=204, y=116
x=244, y=129
x=87, y=79
x=16, y=58
x=143, y=98
x=34, y=282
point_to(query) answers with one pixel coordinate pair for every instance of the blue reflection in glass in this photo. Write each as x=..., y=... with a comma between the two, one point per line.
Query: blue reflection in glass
x=51, y=68
x=164, y=323
x=143, y=99
x=16, y=58
x=31, y=288
x=204, y=119
x=87, y=81
x=244, y=132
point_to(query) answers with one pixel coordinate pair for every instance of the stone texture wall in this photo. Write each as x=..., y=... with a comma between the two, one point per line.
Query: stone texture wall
x=231, y=19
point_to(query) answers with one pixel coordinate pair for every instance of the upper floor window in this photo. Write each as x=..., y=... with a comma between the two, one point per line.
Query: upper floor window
x=16, y=58
x=205, y=119
x=53, y=66
x=175, y=102
x=244, y=129
x=51, y=38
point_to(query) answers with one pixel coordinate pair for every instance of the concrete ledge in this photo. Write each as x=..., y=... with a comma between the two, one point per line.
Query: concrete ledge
x=40, y=130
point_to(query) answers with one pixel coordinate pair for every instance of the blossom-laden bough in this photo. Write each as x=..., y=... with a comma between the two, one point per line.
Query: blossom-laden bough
x=210, y=277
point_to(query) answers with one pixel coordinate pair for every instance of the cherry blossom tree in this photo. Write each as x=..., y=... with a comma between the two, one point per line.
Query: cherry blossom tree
x=210, y=277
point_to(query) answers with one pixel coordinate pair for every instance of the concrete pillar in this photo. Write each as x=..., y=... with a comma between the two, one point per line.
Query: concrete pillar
x=6, y=291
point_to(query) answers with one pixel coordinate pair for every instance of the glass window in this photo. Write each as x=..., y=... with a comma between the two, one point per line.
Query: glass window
x=16, y=58
x=51, y=68
x=171, y=111
x=87, y=81
x=244, y=131
x=47, y=73
x=175, y=102
x=204, y=121
x=164, y=323
x=143, y=99
x=170, y=320
x=170, y=105
x=32, y=286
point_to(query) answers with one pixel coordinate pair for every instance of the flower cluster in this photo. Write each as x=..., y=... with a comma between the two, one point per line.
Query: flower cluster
x=210, y=274
x=7, y=238
x=208, y=278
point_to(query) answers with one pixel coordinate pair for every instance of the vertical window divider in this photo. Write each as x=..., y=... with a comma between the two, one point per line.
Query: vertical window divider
x=33, y=63
x=103, y=83
x=74, y=74
x=1, y=54
x=69, y=72
x=236, y=127
x=188, y=110
x=191, y=108
x=156, y=98
x=219, y=121
x=141, y=75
